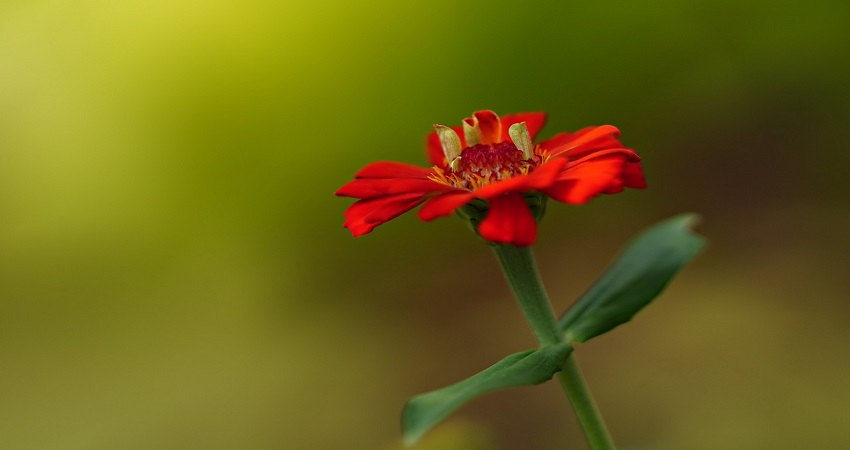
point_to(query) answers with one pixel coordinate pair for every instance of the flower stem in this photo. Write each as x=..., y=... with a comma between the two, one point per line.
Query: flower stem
x=588, y=414
x=520, y=269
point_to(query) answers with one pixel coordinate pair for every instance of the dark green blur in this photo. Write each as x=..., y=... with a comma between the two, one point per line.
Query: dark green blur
x=174, y=274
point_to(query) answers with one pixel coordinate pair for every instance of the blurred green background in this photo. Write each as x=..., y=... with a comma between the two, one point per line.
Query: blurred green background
x=174, y=274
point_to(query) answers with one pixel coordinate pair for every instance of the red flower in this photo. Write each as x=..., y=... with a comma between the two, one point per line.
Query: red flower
x=493, y=159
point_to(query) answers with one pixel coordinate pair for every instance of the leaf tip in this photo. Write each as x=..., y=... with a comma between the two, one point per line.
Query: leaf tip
x=688, y=222
x=410, y=432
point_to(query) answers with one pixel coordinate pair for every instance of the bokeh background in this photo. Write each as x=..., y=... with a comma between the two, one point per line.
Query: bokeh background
x=174, y=274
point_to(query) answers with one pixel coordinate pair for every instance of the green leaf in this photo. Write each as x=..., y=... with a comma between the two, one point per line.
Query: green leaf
x=640, y=273
x=423, y=412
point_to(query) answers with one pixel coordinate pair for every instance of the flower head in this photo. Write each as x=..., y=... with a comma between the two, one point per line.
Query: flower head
x=493, y=161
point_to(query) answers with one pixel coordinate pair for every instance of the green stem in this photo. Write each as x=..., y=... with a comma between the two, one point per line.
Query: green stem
x=588, y=414
x=520, y=269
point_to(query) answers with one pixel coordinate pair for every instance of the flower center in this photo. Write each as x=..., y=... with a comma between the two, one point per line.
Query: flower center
x=483, y=164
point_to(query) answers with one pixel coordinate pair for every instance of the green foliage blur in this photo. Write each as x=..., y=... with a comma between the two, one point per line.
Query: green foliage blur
x=174, y=274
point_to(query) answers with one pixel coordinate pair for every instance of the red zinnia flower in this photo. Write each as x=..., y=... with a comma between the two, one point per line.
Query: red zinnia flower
x=493, y=159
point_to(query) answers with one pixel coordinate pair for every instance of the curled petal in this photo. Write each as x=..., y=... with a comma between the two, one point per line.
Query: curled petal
x=449, y=141
x=445, y=204
x=509, y=221
x=489, y=126
x=626, y=153
x=533, y=120
x=582, y=142
x=487, y=121
x=434, y=149
x=379, y=187
x=471, y=132
x=364, y=215
x=518, y=133
x=578, y=184
x=390, y=169
x=632, y=175
x=564, y=139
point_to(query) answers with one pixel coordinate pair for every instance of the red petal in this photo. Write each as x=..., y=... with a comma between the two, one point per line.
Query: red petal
x=533, y=120
x=445, y=204
x=564, y=139
x=509, y=221
x=435, y=151
x=633, y=176
x=379, y=187
x=626, y=153
x=578, y=184
x=490, y=126
x=543, y=176
x=364, y=215
x=586, y=140
x=390, y=169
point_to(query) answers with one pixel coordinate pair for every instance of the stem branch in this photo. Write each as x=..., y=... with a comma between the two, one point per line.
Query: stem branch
x=520, y=269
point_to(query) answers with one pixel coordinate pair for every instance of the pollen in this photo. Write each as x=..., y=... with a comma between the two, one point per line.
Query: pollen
x=481, y=164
